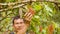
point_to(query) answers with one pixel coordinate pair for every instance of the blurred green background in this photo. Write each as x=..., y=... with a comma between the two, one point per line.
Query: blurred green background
x=46, y=18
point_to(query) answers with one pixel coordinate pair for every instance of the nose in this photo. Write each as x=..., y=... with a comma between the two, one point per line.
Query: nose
x=19, y=25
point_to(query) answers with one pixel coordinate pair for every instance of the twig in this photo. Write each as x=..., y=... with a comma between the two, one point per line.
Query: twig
x=13, y=7
x=13, y=3
x=50, y=1
x=20, y=12
x=23, y=2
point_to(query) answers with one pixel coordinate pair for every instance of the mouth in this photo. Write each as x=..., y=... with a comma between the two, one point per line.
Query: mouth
x=19, y=28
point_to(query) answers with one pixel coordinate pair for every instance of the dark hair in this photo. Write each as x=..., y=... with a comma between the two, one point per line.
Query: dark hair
x=16, y=17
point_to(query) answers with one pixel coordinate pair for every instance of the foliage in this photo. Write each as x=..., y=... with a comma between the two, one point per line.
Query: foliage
x=46, y=14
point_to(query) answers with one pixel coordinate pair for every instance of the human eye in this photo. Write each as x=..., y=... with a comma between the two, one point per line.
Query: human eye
x=17, y=23
x=21, y=22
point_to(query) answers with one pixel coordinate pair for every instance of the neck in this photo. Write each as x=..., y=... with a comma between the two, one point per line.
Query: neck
x=20, y=32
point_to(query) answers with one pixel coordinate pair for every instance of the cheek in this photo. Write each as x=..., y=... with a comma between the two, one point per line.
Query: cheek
x=15, y=26
x=25, y=26
x=22, y=24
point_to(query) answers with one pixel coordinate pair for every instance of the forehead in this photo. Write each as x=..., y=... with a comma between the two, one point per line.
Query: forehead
x=18, y=20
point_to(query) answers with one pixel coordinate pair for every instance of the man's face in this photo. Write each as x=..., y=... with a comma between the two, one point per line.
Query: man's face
x=19, y=24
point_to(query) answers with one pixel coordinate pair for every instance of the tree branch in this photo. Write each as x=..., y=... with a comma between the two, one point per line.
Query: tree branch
x=12, y=7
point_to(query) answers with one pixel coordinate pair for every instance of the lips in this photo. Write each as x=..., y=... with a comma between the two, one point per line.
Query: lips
x=19, y=28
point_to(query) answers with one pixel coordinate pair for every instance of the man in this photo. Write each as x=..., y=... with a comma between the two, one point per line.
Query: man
x=21, y=25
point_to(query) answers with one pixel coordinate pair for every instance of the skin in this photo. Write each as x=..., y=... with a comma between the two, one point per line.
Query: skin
x=21, y=26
